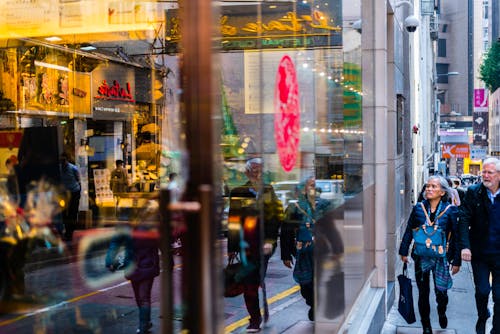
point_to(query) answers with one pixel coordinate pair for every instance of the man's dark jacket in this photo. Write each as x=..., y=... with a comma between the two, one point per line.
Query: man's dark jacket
x=474, y=219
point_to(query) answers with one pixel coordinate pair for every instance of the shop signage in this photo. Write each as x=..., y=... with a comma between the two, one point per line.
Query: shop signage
x=51, y=90
x=287, y=113
x=455, y=151
x=114, y=92
x=10, y=139
x=73, y=17
x=278, y=25
x=480, y=100
x=477, y=152
x=453, y=136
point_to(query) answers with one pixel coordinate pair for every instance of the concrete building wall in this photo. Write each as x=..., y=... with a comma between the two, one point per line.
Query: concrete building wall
x=453, y=28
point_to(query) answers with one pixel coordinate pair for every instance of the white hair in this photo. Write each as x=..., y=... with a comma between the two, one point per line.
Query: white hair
x=492, y=161
x=252, y=161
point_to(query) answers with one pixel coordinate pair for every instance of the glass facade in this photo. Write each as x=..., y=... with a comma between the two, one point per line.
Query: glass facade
x=124, y=162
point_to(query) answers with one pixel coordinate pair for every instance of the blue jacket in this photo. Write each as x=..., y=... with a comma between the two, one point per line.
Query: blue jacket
x=448, y=222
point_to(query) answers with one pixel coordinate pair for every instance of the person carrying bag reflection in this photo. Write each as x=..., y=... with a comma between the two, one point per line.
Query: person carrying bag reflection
x=248, y=204
x=297, y=235
x=429, y=218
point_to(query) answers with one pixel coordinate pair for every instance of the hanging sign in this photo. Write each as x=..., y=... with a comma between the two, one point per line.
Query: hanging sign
x=455, y=151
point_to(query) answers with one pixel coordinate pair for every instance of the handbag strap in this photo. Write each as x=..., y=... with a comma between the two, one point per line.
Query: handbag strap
x=305, y=213
x=234, y=258
x=427, y=215
x=439, y=216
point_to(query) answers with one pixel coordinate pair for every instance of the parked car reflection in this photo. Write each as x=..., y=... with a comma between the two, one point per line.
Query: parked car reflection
x=285, y=190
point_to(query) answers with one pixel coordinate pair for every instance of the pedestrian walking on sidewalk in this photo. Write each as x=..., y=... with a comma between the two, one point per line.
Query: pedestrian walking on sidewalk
x=70, y=178
x=480, y=227
x=141, y=264
x=433, y=213
x=247, y=202
x=296, y=238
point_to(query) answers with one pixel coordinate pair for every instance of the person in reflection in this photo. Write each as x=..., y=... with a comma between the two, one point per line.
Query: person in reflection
x=12, y=187
x=296, y=238
x=70, y=178
x=249, y=202
x=434, y=209
x=479, y=225
x=141, y=263
x=119, y=178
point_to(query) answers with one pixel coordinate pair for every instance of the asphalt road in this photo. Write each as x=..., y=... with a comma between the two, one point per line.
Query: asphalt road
x=78, y=295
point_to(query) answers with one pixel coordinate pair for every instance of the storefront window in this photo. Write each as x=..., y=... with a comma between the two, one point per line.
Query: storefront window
x=93, y=134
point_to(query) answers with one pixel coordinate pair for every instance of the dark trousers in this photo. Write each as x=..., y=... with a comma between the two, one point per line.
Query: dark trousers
x=142, y=293
x=482, y=267
x=307, y=292
x=70, y=215
x=251, y=291
x=423, y=284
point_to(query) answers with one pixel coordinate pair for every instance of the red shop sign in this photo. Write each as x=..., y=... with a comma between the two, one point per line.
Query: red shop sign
x=115, y=92
x=287, y=113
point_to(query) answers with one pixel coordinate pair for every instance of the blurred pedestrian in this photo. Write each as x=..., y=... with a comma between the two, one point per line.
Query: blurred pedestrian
x=434, y=212
x=297, y=235
x=249, y=202
x=480, y=231
x=12, y=186
x=173, y=186
x=70, y=178
x=141, y=264
x=457, y=184
x=455, y=197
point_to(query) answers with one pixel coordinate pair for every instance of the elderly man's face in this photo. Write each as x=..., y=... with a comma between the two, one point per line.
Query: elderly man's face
x=255, y=172
x=490, y=176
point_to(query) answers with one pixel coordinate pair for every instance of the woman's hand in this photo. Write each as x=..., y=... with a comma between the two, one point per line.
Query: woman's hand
x=288, y=263
x=404, y=258
x=455, y=269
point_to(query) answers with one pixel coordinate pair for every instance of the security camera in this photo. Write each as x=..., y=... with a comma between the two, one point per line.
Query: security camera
x=411, y=23
x=356, y=25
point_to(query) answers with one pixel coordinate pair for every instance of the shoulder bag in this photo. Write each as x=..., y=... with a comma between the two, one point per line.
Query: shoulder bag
x=430, y=239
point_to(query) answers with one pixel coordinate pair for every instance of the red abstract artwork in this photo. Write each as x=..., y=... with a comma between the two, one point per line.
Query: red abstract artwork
x=287, y=113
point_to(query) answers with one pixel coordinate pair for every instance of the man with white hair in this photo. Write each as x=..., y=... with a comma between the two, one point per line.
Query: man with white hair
x=260, y=213
x=479, y=228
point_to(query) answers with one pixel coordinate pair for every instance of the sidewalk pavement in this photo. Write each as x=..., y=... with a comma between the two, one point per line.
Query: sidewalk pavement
x=461, y=309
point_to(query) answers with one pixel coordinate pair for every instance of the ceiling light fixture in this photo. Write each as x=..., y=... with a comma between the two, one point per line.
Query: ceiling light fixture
x=87, y=47
x=53, y=39
x=53, y=66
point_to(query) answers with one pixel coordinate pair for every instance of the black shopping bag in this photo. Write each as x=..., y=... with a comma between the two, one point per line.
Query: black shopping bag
x=233, y=285
x=405, y=303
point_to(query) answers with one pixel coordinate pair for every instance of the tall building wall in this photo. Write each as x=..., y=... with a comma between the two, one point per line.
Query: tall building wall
x=453, y=28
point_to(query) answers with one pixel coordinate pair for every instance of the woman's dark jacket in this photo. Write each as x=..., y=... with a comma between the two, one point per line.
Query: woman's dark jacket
x=448, y=222
x=474, y=219
x=293, y=228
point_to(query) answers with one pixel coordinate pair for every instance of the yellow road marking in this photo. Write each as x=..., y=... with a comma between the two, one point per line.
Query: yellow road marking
x=244, y=321
x=8, y=322
x=228, y=329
